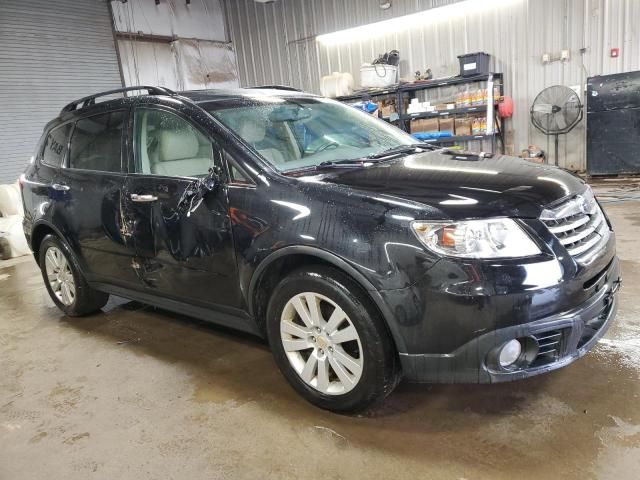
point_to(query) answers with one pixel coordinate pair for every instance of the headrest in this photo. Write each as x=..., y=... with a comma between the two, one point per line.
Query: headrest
x=177, y=144
x=252, y=130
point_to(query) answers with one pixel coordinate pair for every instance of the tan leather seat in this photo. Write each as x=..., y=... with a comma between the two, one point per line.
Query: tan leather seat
x=253, y=132
x=178, y=155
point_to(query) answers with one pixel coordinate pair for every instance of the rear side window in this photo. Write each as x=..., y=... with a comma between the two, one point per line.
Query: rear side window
x=55, y=145
x=96, y=143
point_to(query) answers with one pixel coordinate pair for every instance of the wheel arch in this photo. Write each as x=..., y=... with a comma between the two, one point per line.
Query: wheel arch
x=41, y=230
x=286, y=259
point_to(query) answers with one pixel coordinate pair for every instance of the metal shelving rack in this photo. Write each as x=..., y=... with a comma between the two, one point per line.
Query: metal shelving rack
x=370, y=94
x=494, y=133
x=409, y=90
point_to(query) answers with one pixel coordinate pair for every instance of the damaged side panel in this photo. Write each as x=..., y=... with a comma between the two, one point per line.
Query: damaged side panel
x=185, y=257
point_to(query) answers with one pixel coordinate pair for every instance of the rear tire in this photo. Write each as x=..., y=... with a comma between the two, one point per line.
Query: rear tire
x=339, y=354
x=67, y=287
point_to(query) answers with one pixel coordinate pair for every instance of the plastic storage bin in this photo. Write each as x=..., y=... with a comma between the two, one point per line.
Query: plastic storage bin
x=474, y=64
x=378, y=76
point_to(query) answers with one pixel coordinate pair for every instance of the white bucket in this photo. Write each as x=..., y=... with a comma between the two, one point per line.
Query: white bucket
x=378, y=76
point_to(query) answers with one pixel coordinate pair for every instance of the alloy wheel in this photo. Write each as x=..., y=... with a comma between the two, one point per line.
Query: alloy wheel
x=321, y=343
x=60, y=276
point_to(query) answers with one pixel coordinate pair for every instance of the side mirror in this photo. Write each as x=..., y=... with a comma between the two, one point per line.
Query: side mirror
x=194, y=193
x=212, y=180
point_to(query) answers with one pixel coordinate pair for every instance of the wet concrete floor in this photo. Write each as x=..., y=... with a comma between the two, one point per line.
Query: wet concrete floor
x=139, y=393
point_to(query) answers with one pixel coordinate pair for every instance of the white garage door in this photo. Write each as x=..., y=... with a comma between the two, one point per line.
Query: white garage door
x=51, y=52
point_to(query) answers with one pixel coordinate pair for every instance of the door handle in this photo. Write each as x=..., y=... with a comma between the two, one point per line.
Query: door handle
x=60, y=187
x=143, y=198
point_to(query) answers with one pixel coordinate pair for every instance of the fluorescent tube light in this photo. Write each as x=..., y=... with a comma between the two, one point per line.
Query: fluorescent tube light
x=414, y=20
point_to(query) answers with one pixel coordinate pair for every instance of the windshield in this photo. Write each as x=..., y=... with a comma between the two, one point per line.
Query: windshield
x=300, y=132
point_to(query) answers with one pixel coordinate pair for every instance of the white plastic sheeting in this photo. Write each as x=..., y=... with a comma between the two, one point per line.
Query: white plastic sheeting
x=148, y=63
x=179, y=65
x=10, y=200
x=202, y=64
x=202, y=19
x=11, y=215
x=174, y=44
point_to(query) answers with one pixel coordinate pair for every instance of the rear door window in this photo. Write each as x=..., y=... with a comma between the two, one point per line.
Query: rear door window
x=96, y=143
x=55, y=145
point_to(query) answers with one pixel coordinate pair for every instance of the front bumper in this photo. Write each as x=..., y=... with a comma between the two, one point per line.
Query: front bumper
x=555, y=341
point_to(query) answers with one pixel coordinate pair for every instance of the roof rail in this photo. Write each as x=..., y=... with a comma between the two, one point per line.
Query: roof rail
x=91, y=99
x=275, y=87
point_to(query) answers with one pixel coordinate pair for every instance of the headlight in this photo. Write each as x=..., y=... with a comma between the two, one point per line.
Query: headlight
x=494, y=238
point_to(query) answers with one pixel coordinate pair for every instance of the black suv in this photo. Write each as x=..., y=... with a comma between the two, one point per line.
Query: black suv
x=361, y=255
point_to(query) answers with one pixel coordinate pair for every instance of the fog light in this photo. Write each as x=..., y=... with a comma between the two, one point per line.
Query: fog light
x=509, y=353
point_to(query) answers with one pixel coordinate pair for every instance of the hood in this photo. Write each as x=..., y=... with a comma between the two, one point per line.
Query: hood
x=455, y=187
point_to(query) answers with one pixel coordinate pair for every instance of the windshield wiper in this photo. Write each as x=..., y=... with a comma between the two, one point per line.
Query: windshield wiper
x=347, y=163
x=364, y=161
x=401, y=149
x=342, y=163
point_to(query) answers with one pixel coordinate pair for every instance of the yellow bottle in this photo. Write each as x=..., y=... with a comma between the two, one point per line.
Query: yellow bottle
x=466, y=98
x=475, y=126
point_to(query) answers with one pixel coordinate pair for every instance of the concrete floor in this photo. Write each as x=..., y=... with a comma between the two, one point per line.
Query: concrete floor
x=140, y=393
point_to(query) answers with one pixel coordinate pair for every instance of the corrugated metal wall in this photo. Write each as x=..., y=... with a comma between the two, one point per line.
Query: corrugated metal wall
x=50, y=54
x=276, y=43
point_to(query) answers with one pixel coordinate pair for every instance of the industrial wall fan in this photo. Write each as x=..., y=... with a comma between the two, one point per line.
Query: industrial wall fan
x=556, y=111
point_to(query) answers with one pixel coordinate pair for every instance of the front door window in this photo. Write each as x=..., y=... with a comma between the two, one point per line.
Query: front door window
x=169, y=145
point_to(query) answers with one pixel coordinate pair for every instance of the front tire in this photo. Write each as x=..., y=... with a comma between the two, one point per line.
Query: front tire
x=329, y=342
x=64, y=281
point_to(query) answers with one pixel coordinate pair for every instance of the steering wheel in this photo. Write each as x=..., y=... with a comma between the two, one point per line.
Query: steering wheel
x=325, y=146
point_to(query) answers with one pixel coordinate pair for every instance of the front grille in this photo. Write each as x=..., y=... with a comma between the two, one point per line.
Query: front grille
x=579, y=225
x=549, y=347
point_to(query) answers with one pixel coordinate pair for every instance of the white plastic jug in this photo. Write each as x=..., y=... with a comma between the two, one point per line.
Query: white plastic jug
x=337, y=84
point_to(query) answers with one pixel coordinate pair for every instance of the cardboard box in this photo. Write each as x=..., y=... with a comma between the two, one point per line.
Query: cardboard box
x=463, y=126
x=415, y=126
x=430, y=124
x=424, y=125
x=388, y=109
x=447, y=125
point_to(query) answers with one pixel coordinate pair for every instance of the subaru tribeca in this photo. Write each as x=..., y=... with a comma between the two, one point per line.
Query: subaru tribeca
x=360, y=255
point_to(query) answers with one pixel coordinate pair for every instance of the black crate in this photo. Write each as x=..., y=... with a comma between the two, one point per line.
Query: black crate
x=474, y=63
